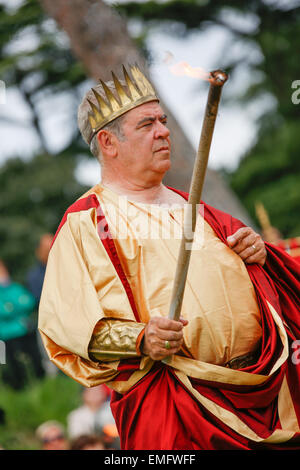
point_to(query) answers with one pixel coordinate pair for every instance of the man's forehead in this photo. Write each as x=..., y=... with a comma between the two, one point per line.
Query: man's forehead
x=144, y=110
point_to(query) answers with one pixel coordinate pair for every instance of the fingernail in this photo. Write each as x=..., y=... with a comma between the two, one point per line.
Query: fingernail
x=231, y=239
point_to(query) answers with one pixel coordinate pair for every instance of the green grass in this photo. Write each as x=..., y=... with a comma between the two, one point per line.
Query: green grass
x=40, y=401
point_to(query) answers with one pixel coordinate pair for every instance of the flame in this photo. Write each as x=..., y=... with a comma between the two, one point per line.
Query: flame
x=217, y=77
x=184, y=68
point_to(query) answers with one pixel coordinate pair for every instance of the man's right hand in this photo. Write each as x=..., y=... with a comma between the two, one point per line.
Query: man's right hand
x=158, y=331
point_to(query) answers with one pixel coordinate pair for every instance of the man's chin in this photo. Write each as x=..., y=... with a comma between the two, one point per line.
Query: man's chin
x=164, y=165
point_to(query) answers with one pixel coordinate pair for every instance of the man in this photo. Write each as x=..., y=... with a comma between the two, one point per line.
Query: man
x=219, y=378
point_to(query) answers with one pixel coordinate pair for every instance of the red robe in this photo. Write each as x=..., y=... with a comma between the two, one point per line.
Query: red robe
x=159, y=412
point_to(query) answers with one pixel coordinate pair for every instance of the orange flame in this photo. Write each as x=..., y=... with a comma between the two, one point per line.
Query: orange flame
x=183, y=68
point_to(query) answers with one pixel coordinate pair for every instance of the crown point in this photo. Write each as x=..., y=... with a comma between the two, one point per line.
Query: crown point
x=111, y=99
x=104, y=107
x=123, y=96
x=133, y=89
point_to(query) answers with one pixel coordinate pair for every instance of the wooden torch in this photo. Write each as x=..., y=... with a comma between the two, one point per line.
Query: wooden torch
x=217, y=79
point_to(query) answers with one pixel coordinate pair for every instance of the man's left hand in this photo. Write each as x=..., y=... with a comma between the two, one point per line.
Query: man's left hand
x=248, y=245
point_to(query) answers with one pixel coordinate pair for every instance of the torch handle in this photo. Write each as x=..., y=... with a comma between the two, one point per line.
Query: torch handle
x=196, y=187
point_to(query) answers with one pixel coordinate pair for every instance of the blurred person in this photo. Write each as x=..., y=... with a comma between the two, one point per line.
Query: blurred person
x=51, y=435
x=92, y=414
x=35, y=276
x=87, y=442
x=34, y=282
x=17, y=330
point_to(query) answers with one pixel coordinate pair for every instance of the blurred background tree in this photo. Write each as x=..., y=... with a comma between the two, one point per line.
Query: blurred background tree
x=270, y=31
x=37, y=64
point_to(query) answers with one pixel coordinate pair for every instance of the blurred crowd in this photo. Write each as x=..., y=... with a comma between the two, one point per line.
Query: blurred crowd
x=19, y=303
x=89, y=427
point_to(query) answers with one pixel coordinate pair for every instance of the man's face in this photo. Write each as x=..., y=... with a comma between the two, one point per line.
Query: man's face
x=144, y=154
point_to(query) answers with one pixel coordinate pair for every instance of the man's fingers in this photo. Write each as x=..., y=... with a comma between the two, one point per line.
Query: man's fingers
x=163, y=353
x=239, y=235
x=165, y=348
x=171, y=344
x=163, y=337
x=250, y=253
x=259, y=257
x=166, y=335
x=244, y=238
x=247, y=243
x=164, y=323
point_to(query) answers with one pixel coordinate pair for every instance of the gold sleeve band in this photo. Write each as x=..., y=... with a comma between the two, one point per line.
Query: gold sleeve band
x=115, y=339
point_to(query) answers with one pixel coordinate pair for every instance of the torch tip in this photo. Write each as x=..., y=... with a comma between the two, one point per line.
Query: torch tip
x=218, y=77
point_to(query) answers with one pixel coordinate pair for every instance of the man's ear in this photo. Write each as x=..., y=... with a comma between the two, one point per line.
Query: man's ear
x=108, y=143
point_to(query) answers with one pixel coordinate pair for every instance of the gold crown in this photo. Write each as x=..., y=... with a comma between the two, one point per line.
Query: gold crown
x=139, y=91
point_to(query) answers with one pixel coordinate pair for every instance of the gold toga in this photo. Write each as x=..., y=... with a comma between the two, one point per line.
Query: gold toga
x=81, y=289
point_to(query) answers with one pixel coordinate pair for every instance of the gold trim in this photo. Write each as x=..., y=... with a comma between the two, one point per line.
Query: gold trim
x=123, y=386
x=227, y=417
x=213, y=373
x=286, y=410
x=114, y=339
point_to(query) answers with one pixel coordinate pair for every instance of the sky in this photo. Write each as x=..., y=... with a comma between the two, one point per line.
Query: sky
x=186, y=97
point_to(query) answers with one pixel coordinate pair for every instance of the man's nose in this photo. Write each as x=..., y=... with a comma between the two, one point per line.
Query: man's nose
x=161, y=131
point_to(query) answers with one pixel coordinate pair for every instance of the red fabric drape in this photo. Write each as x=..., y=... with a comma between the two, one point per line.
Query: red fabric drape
x=160, y=413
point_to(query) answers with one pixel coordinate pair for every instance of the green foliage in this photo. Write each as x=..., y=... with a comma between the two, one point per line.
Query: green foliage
x=33, y=198
x=36, y=62
x=45, y=59
x=270, y=172
x=52, y=398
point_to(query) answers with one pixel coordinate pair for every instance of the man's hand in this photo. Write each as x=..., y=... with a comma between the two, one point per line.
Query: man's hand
x=248, y=245
x=161, y=332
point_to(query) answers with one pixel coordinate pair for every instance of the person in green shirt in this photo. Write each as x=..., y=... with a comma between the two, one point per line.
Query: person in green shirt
x=17, y=306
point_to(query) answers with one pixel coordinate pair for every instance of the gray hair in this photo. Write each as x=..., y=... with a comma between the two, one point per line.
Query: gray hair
x=84, y=124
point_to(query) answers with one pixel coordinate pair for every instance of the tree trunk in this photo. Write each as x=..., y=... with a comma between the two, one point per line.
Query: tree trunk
x=100, y=40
